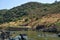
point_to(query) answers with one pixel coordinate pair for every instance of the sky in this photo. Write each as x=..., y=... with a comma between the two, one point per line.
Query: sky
x=8, y=4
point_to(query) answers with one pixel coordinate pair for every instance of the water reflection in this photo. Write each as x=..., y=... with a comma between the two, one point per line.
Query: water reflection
x=48, y=35
x=25, y=36
x=21, y=37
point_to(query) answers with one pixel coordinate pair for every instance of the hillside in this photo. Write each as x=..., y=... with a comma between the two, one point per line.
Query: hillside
x=31, y=14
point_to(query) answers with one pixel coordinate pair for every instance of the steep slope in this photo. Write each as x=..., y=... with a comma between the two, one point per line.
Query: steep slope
x=31, y=10
x=45, y=20
x=33, y=13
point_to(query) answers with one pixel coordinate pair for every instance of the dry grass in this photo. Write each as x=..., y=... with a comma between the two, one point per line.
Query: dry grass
x=51, y=18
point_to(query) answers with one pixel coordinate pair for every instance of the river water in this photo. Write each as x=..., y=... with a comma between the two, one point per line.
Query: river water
x=29, y=34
